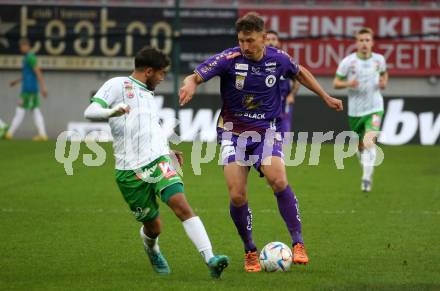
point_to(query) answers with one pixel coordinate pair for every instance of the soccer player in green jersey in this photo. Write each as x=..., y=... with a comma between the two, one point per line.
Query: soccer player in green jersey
x=144, y=168
x=32, y=82
x=364, y=73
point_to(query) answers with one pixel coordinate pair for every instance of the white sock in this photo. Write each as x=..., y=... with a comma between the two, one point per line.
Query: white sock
x=39, y=122
x=16, y=121
x=196, y=232
x=368, y=159
x=2, y=123
x=151, y=243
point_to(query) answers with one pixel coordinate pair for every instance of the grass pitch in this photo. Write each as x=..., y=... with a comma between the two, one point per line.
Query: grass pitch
x=62, y=232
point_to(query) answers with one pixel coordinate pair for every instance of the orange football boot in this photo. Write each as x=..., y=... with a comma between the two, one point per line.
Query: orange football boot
x=300, y=254
x=252, y=262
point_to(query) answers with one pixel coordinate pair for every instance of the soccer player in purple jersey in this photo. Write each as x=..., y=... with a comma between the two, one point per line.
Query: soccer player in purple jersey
x=249, y=86
x=288, y=87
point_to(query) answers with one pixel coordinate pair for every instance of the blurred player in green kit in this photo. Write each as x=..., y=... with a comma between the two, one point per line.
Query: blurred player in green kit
x=364, y=73
x=32, y=83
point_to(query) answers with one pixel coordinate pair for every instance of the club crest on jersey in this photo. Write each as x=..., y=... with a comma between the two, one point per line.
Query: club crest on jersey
x=128, y=87
x=167, y=170
x=270, y=80
x=239, y=82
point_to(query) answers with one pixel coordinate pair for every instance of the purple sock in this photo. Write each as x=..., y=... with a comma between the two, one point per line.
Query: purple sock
x=242, y=217
x=288, y=206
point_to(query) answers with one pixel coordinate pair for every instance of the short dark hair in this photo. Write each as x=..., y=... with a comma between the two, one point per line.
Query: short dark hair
x=149, y=57
x=249, y=22
x=271, y=31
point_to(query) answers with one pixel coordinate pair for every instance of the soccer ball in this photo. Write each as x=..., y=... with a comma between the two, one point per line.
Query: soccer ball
x=275, y=257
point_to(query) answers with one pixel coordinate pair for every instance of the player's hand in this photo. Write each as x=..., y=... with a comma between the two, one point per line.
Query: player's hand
x=382, y=83
x=353, y=84
x=44, y=92
x=185, y=94
x=13, y=83
x=334, y=103
x=120, y=109
x=179, y=156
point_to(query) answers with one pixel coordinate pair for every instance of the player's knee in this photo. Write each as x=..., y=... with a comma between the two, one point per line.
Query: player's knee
x=238, y=200
x=152, y=229
x=278, y=184
x=183, y=211
x=238, y=195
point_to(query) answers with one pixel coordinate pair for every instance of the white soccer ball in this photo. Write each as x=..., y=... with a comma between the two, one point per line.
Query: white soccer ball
x=275, y=257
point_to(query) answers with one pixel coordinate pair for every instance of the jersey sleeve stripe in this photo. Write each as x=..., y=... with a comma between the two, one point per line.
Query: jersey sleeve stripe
x=200, y=75
x=340, y=76
x=100, y=101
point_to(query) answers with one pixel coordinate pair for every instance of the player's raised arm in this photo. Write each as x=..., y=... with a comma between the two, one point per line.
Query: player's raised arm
x=307, y=79
x=189, y=87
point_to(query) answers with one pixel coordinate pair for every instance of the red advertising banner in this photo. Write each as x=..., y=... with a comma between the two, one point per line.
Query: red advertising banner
x=319, y=38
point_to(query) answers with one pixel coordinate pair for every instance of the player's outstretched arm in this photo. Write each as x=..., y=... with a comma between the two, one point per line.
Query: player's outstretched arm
x=96, y=112
x=307, y=79
x=189, y=87
x=15, y=82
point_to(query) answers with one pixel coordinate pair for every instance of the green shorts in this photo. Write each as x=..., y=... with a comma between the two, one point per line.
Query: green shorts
x=29, y=100
x=140, y=188
x=366, y=123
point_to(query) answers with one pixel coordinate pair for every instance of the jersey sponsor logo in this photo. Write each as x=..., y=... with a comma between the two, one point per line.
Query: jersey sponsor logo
x=241, y=73
x=239, y=82
x=271, y=69
x=270, y=64
x=249, y=103
x=251, y=115
x=243, y=67
x=167, y=169
x=270, y=80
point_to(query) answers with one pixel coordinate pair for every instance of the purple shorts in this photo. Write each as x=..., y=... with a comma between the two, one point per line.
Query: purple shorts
x=251, y=149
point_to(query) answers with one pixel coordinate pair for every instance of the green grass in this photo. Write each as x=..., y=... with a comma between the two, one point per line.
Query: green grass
x=62, y=232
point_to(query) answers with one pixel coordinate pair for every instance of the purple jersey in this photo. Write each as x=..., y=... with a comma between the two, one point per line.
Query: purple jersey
x=250, y=90
x=285, y=91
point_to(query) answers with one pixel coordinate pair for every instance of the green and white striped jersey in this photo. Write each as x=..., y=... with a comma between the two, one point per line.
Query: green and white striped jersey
x=138, y=138
x=365, y=99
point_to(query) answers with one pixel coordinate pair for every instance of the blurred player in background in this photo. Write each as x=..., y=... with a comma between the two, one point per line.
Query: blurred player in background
x=143, y=164
x=31, y=77
x=364, y=73
x=250, y=77
x=288, y=87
